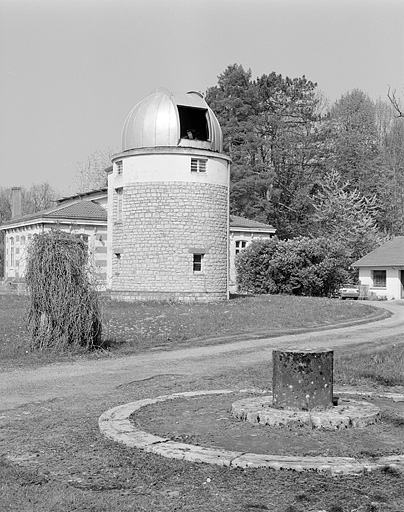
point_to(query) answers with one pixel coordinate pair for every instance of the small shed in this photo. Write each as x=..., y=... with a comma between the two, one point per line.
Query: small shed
x=242, y=232
x=383, y=270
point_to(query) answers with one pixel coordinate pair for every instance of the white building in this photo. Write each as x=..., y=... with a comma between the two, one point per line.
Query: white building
x=85, y=215
x=382, y=270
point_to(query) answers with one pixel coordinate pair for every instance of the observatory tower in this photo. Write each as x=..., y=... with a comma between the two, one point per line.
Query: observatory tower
x=168, y=200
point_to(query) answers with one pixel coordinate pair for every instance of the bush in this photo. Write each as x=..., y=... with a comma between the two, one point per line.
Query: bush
x=299, y=266
x=63, y=305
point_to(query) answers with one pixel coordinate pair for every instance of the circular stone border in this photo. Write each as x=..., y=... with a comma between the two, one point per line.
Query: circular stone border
x=116, y=425
x=347, y=414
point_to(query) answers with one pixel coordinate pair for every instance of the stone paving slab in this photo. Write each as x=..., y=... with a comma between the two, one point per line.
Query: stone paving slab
x=115, y=425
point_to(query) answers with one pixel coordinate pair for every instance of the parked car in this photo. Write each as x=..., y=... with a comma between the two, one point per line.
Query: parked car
x=349, y=291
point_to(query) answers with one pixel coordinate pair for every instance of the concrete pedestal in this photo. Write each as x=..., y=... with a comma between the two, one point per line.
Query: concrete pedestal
x=303, y=379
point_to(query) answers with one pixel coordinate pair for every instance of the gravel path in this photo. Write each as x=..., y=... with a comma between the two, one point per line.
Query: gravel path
x=94, y=378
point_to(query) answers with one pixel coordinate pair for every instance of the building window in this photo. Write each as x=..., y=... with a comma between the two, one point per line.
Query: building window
x=12, y=252
x=240, y=245
x=119, y=167
x=198, y=165
x=119, y=204
x=379, y=278
x=118, y=263
x=197, y=262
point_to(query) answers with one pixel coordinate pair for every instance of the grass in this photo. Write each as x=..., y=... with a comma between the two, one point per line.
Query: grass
x=383, y=367
x=132, y=328
x=53, y=457
x=56, y=460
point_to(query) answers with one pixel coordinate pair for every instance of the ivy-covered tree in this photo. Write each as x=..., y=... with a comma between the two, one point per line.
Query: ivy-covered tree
x=64, y=311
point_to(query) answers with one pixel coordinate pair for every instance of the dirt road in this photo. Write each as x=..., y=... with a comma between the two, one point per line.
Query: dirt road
x=91, y=378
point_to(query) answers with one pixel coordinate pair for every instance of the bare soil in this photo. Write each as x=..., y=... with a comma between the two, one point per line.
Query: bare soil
x=207, y=421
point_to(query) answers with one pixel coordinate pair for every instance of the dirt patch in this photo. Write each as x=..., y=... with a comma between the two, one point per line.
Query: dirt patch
x=207, y=421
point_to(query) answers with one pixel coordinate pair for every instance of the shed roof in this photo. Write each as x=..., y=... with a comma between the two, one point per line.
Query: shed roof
x=390, y=254
x=243, y=223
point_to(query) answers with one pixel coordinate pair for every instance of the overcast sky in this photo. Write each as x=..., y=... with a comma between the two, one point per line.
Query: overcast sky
x=71, y=70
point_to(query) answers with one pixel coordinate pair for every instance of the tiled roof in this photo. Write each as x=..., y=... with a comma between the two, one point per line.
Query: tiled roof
x=390, y=254
x=85, y=210
x=81, y=210
x=241, y=222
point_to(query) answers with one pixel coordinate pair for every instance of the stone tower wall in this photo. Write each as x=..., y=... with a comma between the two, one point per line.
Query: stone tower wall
x=167, y=223
x=163, y=223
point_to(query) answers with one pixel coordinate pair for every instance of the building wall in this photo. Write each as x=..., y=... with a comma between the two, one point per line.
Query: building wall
x=168, y=215
x=17, y=240
x=392, y=290
x=239, y=240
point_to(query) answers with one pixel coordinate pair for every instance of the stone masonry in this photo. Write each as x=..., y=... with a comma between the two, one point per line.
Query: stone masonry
x=168, y=222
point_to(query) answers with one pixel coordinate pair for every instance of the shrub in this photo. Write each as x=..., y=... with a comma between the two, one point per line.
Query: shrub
x=299, y=266
x=63, y=305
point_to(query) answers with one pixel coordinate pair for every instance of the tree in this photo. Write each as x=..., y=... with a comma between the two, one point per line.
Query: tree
x=270, y=132
x=355, y=150
x=345, y=216
x=91, y=174
x=391, y=190
x=36, y=198
x=396, y=103
x=63, y=305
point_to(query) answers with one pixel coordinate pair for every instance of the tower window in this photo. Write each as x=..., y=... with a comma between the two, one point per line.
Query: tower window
x=119, y=204
x=193, y=123
x=119, y=167
x=197, y=262
x=198, y=165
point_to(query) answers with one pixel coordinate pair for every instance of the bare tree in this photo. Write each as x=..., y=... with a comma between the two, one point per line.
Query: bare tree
x=37, y=198
x=395, y=102
x=91, y=174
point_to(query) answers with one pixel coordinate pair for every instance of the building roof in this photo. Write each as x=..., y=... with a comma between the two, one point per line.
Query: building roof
x=157, y=121
x=90, y=194
x=82, y=210
x=390, y=254
x=248, y=224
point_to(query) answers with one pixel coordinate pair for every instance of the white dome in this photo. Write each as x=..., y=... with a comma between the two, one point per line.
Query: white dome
x=167, y=119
